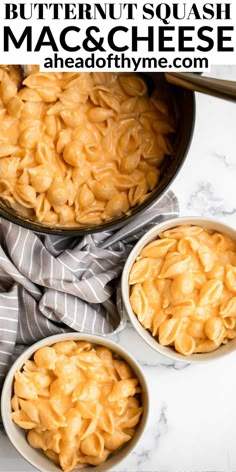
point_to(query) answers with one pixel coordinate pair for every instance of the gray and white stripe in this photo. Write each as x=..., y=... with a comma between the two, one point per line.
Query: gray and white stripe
x=53, y=284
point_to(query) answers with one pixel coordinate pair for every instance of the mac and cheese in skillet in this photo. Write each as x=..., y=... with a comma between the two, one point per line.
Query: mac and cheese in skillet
x=80, y=148
x=183, y=289
x=79, y=403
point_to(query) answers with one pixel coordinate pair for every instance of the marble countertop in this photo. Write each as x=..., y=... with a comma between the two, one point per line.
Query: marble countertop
x=192, y=426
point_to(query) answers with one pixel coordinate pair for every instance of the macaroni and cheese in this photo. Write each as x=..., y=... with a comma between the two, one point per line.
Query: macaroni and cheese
x=80, y=148
x=183, y=289
x=79, y=402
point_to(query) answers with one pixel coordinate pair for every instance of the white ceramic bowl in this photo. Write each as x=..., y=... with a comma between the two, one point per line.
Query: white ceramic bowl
x=17, y=435
x=150, y=236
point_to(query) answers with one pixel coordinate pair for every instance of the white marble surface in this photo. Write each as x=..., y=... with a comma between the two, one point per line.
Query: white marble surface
x=192, y=426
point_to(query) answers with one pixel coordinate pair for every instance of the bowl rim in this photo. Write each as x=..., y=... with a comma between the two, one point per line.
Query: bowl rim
x=6, y=395
x=169, y=352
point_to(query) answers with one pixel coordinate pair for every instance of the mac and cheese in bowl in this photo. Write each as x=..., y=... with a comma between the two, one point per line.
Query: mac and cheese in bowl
x=182, y=286
x=81, y=148
x=80, y=401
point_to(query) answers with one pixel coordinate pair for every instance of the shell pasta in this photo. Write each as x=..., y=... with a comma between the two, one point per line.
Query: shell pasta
x=182, y=289
x=80, y=148
x=78, y=402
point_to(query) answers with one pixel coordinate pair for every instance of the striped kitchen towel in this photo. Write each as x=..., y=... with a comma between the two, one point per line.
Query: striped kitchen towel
x=54, y=284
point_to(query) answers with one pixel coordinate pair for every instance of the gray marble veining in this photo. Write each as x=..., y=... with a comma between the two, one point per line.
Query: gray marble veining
x=192, y=426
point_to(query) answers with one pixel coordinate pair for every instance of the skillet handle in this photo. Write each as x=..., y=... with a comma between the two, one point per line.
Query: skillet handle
x=217, y=88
